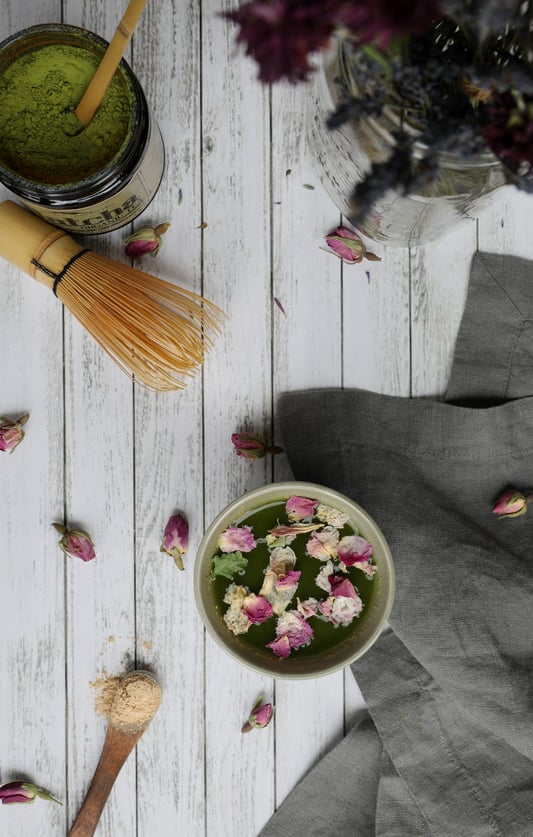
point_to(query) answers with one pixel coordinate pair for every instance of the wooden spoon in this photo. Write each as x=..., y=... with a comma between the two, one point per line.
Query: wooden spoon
x=92, y=98
x=135, y=703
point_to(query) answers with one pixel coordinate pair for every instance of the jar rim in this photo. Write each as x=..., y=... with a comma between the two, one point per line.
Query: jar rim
x=124, y=160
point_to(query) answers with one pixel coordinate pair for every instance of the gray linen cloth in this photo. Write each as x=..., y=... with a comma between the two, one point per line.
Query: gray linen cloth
x=446, y=749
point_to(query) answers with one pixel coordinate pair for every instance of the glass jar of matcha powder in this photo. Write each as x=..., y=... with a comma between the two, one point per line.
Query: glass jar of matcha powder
x=87, y=180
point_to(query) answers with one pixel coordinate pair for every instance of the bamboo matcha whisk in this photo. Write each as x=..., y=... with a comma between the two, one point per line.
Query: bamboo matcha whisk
x=156, y=331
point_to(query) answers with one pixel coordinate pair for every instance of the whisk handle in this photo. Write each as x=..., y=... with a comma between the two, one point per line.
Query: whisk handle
x=26, y=239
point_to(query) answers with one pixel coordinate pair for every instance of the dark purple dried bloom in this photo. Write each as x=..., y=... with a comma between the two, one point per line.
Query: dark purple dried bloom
x=280, y=34
x=383, y=20
x=508, y=130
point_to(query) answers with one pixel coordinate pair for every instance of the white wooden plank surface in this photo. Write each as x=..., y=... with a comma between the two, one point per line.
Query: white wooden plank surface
x=119, y=460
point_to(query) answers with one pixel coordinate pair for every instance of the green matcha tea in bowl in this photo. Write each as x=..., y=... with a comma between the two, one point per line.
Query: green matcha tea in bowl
x=294, y=580
x=88, y=179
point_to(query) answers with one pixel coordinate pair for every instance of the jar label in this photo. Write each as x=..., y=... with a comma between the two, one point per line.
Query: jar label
x=119, y=209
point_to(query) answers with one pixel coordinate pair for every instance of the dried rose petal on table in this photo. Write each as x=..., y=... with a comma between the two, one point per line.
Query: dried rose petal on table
x=176, y=538
x=11, y=432
x=20, y=791
x=75, y=542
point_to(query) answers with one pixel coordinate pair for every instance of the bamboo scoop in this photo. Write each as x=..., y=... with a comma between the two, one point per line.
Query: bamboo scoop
x=135, y=703
x=91, y=99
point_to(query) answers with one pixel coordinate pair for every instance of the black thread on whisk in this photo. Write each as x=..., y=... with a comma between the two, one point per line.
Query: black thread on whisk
x=57, y=277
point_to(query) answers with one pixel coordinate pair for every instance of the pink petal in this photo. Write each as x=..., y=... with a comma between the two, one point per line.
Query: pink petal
x=280, y=646
x=353, y=548
x=290, y=579
x=293, y=625
x=323, y=545
x=341, y=586
x=298, y=508
x=307, y=608
x=237, y=539
x=257, y=608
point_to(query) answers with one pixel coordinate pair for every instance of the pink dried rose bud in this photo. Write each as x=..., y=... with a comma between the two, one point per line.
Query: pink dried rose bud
x=348, y=246
x=11, y=432
x=20, y=791
x=298, y=508
x=236, y=539
x=259, y=717
x=144, y=241
x=511, y=503
x=75, y=542
x=176, y=538
x=252, y=445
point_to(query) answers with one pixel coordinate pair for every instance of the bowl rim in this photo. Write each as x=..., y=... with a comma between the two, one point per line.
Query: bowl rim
x=279, y=490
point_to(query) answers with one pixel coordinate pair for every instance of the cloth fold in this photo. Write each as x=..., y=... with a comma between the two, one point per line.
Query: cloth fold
x=449, y=685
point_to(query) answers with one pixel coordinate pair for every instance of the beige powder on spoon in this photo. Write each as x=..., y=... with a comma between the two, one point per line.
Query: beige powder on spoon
x=129, y=702
x=136, y=701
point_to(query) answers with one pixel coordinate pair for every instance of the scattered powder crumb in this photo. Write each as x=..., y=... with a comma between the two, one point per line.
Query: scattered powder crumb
x=147, y=646
x=106, y=687
x=111, y=638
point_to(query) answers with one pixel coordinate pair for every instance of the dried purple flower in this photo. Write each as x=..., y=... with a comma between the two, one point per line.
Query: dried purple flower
x=252, y=445
x=509, y=127
x=21, y=791
x=75, y=542
x=382, y=20
x=281, y=34
x=511, y=503
x=348, y=246
x=176, y=538
x=260, y=716
x=144, y=241
x=11, y=432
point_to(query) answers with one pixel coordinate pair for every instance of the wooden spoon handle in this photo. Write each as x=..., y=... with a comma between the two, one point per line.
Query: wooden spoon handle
x=117, y=747
x=105, y=71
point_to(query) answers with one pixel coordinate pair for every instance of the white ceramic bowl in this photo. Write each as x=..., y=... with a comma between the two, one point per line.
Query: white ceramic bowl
x=326, y=660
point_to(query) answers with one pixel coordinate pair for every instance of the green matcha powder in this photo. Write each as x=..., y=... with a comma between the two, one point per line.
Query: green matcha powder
x=38, y=95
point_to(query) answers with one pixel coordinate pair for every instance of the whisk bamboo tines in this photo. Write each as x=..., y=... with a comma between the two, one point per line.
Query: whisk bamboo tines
x=156, y=331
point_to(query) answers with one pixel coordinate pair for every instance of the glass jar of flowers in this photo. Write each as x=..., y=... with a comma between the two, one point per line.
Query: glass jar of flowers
x=420, y=109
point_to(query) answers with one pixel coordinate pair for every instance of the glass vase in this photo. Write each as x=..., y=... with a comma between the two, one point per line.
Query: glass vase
x=343, y=156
